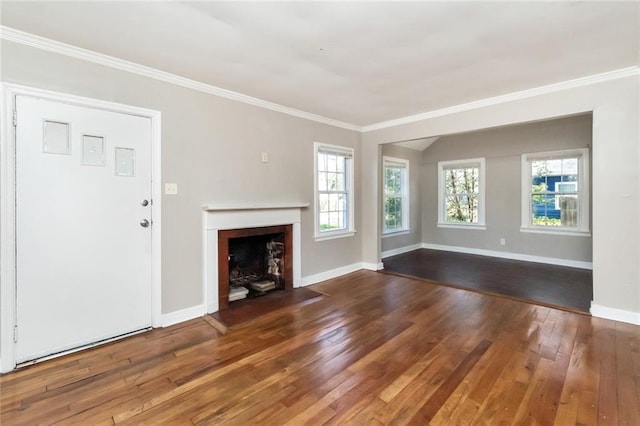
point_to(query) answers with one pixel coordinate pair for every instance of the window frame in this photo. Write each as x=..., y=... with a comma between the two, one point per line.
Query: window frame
x=403, y=164
x=583, y=192
x=480, y=163
x=349, y=154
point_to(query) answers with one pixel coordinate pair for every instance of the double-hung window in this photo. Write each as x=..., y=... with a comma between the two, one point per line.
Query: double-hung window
x=396, y=195
x=461, y=193
x=334, y=191
x=555, y=192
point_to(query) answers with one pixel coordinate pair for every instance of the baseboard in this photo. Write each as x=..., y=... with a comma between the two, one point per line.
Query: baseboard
x=333, y=273
x=512, y=256
x=182, y=315
x=372, y=266
x=615, y=314
x=400, y=250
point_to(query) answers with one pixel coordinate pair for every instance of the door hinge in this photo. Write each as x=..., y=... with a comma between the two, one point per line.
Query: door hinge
x=15, y=117
x=15, y=334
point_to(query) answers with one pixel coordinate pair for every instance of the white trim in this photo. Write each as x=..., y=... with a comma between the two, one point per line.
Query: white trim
x=395, y=233
x=502, y=99
x=583, y=183
x=615, y=314
x=183, y=315
x=43, y=43
x=349, y=154
x=514, y=256
x=266, y=206
x=400, y=250
x=333, y=273
x=372, y=266
x=402, y=164
x=555, y=231
x=215, y=220
x=7, y=205
x=462, y=226
x=442, y=165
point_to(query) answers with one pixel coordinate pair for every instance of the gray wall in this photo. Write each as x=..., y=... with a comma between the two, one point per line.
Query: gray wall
x=615, y=158
x=502, y=148
x=391, y=242
x=211, y=147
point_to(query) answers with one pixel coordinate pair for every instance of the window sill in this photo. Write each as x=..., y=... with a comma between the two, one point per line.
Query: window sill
x=566, y=232
x=334, y=235
x=476, y=227
x=389, y=234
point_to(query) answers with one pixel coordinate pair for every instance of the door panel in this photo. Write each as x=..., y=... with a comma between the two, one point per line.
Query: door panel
x=83, y=260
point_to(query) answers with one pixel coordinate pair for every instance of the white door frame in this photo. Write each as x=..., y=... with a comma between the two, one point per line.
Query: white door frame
x=8, y=283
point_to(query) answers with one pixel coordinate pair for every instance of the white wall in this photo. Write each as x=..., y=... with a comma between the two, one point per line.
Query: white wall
x=616, y=179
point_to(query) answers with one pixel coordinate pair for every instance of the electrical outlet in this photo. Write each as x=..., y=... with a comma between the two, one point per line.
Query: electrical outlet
x=170, y=188
x=503, y=241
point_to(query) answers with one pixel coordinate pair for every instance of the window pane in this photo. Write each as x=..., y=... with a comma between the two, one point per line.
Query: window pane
x=462, y=208
x=393, y=213
x=462, y=181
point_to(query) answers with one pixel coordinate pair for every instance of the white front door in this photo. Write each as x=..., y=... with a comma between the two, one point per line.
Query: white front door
x=83, y=253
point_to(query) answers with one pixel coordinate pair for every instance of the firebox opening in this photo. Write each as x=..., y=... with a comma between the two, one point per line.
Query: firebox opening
x=256, y=265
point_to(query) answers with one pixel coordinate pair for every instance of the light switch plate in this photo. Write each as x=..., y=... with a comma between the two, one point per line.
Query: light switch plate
x=170, y=188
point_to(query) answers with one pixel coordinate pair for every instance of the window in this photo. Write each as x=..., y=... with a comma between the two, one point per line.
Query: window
x=334, y=191
x=396, y=195
x=555, y=192
x=461, y=194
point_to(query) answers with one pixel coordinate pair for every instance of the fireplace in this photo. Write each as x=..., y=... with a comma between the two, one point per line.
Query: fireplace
x=253, y=262
x=264, y=223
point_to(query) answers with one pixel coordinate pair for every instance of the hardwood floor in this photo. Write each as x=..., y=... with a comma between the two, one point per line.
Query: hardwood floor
x=374, y=349
x=550, y=285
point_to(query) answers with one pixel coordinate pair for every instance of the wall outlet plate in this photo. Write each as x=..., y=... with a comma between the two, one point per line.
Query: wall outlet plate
x=170, y=188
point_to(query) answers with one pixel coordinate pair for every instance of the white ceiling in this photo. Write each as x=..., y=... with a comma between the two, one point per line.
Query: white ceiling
x=356, y=62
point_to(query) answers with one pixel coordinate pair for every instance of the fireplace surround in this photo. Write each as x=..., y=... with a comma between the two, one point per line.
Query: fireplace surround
x=228, y=218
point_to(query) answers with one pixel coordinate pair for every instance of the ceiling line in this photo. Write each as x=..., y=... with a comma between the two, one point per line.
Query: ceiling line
x=43, y=43
x=514, y=96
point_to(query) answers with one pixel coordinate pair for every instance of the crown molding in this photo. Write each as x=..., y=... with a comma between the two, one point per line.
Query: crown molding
x=537, y=91
x=43, y=43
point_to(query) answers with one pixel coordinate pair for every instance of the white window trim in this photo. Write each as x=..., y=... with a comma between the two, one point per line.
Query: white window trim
x=442, y=223
x=406, y=208
x=342, y=233
x=583, y=193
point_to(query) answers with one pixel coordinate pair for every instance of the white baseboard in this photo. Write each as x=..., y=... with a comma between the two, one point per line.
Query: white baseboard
x=372, y=266
x=513, y=256
x=182, y=315
x=333, y=273
x=615, y=314
x=400, y=250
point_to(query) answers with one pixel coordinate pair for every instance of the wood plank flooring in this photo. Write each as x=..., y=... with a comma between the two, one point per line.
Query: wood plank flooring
x=550, y=285
x=376, y=349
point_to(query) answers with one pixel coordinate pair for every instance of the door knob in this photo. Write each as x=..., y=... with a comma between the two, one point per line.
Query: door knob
x=144, y=223
x=144, y=203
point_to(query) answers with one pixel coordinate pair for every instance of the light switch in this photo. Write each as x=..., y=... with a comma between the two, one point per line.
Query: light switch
x=265, y=157
x=170, y=188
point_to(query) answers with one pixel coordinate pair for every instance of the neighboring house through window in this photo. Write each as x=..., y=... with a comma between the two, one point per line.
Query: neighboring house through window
x=334, y=191
x=396, y=195
x=461, y=188
x=555, y=192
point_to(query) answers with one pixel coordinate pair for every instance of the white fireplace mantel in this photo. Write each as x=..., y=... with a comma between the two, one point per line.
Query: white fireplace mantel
x=270, y=206
x=218, y=217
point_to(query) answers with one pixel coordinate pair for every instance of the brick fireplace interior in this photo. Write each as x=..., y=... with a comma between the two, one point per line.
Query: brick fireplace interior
x=253, y=257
